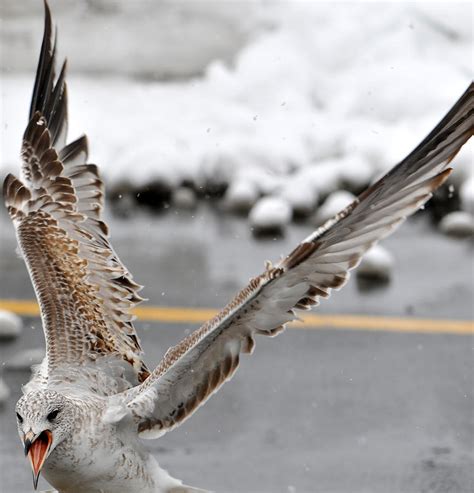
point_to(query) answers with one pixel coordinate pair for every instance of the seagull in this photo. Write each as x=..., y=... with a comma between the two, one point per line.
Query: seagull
x=84, y=412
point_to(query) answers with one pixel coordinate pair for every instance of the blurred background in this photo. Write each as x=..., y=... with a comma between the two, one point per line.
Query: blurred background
x=226, y=131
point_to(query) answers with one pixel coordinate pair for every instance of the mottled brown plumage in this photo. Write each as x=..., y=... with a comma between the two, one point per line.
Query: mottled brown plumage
x=85, y=292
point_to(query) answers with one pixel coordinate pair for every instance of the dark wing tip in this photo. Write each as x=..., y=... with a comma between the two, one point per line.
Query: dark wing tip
x=44, y=63
x=50, y=97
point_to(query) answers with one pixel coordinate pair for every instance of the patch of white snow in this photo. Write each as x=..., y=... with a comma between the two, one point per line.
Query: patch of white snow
x=334, y=204
x=377, y=264
x=241, y=196
x=270, y=214
x=184, y=198
x=459, y=224
x=466, y=194
x=11, y=325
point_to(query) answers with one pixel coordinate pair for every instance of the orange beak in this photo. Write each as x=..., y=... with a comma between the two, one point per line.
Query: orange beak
x=37, y=449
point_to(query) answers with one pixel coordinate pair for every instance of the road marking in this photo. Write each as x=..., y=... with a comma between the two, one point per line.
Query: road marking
x=311, y=321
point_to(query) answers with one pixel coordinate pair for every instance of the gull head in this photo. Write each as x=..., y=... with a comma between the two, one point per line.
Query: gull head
x=44, y=418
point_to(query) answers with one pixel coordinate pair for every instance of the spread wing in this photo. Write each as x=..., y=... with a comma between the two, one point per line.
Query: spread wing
x=84, y=291
x=194, y=369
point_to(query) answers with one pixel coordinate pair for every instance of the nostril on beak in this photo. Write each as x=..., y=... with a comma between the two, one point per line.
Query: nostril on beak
x=28, y=439
x=27, y=443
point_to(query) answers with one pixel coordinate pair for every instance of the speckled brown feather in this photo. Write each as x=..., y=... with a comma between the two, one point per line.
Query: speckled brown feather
x=194, y=369
x=84, y=291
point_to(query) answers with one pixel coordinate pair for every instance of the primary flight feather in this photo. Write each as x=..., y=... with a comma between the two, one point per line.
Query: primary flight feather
x=85, y=407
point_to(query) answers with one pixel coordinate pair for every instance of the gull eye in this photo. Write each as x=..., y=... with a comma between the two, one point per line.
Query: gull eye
x=19, y=418
x=52, y=415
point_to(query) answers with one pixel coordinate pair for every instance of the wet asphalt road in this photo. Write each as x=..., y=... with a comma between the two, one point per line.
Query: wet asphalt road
x=312, y=410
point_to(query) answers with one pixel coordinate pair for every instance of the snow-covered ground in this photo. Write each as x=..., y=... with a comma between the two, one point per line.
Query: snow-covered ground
x=327, y=98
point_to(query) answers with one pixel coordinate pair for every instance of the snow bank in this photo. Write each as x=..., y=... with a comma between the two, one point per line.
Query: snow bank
x=308, y=106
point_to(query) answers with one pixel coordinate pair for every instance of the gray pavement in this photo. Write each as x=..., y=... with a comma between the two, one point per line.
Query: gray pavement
x=312, y=410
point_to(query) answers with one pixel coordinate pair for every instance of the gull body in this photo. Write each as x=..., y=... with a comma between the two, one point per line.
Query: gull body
x=93, y=454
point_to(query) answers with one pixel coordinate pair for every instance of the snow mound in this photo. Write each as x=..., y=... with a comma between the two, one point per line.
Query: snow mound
x=269, y=215
x=334, y=204
x=459, y=224
x=25, y=359
x=466, y=194
x=377, y=264
x=184, y=198
x=356, y=173
x=11, y=325
x=301, y=195
x=241, y=196
x=325, y=177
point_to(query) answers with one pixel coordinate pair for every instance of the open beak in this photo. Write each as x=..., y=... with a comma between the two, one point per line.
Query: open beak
x=37, y=449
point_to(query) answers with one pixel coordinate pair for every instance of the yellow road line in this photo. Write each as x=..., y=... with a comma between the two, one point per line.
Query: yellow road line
x=310, y=321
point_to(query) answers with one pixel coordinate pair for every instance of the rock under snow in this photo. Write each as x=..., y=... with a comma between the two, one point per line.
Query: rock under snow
x=333, y=205
x=460, y=224
x=241, y=196
x=356, y=173
x=466, y=194
x=270, y=215
x=184, y=198
x=301, y=196
x=11, y=325
x=4, y=392
x=25, y=359
x=324, y=176
x=376, y=264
